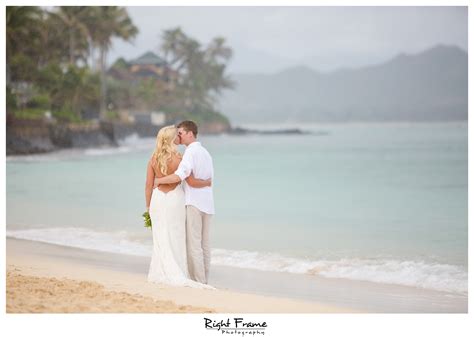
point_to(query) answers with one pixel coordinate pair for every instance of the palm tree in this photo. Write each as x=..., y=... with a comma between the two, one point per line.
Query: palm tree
x=21, y=32
x=172, y=41
x=216, y=56
x=217, y=50
x=179, y=49
x=105, y=23
x=72, y=20
x=202, y=71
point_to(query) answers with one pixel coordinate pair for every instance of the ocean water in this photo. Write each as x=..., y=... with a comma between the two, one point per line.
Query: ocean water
x=378, y=202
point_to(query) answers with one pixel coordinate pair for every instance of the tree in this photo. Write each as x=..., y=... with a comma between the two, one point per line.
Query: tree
x=45, y=49
x=72, y=20
x=217, y=54
x=202, y=70
x=105, y=23
x=173, y=40
x=76, y=88
x=21, y=35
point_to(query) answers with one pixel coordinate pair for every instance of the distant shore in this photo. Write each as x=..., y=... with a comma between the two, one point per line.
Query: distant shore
x=25, y=137
x=33, y=136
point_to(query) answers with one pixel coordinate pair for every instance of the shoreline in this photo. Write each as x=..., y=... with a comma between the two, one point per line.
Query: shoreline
x=239, y=290
x=118, y=274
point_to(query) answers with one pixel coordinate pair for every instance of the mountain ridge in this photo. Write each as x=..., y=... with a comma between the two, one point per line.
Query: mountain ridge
x=430, y=85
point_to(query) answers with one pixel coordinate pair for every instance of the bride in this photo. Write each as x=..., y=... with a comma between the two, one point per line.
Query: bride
x=166, y=205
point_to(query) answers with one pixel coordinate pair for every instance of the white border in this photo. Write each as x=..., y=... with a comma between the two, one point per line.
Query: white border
x=148, y=325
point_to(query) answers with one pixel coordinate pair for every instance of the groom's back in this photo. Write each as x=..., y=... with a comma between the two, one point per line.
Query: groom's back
x=202, y=168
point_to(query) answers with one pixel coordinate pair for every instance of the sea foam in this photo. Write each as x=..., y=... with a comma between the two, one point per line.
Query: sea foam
x=435, y=276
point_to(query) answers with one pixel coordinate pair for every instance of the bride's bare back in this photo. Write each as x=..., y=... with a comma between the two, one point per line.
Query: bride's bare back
x=172, y=165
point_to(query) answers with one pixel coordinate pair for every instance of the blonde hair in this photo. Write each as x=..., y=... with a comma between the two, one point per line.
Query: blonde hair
x=165, y=147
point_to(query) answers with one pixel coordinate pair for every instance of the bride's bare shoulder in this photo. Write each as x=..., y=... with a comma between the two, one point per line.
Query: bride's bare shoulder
x=176, y=157
x=175, y=160
x=152, y=159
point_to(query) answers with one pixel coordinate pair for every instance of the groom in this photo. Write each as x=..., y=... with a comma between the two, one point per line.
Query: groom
x=199, y=201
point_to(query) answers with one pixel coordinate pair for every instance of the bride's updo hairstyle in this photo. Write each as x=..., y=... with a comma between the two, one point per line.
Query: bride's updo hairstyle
x=165, y=147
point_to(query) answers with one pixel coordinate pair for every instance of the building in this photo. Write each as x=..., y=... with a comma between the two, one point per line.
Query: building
x=151, y=65
x=147, y=66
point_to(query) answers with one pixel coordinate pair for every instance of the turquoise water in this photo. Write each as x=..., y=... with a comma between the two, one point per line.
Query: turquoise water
x=382, y=202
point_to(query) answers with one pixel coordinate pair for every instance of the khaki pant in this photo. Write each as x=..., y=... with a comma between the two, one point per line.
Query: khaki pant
x=197, y=243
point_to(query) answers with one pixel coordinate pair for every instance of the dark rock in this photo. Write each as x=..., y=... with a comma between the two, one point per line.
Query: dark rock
x=18, y=145
x=243, y=131
x=27, y=136
x=80, y=136
x=117, y=130
x=284, y=132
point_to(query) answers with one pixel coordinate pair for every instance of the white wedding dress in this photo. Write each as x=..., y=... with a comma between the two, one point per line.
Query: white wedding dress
x=169, y=261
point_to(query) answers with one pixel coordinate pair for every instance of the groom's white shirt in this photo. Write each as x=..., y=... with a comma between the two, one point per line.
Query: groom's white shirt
x=197, y=160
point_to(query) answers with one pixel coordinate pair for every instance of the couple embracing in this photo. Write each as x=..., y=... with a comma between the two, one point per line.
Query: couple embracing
x=180, y=201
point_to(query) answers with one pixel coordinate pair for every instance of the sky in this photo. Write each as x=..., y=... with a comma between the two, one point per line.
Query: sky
x=269, y=39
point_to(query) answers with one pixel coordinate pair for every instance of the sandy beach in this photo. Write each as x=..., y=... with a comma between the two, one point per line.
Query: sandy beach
x=43, y=277
x=50, y=278
x=33, y=294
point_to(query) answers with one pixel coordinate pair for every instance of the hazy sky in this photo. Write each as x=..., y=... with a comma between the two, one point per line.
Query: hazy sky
x=267, y=39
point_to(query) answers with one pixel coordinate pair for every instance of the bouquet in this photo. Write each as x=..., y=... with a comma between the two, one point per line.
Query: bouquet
x=147, y=219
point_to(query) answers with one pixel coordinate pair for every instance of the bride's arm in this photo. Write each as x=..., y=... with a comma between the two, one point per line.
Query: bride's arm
x=150, y=177
x=198, y=183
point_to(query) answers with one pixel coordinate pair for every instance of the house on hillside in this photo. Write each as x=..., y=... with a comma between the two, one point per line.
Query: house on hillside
x=148, y=65
x=151, y=65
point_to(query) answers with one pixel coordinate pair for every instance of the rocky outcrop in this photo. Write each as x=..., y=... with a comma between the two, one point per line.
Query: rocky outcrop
x=27, y=137
x=243, y=131
x=118, y=130
x=79, y=136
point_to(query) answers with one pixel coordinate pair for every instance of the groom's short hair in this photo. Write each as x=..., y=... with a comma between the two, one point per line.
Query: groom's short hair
x=189, y=126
